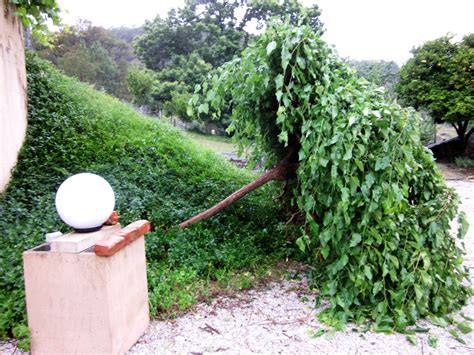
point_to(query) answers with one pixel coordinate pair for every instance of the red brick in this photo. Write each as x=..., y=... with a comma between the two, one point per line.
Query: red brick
x=112, y=243
x=113, y=219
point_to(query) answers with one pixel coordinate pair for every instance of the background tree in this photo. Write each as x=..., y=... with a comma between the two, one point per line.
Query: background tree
x=127, y=34
x=186, y=45
x=440, y=79
x=365, y=190
x=380, y=72
x=386, y=74
x=92, y=54
x=140, y=83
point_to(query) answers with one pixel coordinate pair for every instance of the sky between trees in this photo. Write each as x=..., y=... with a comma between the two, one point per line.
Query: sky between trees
x=365, y=29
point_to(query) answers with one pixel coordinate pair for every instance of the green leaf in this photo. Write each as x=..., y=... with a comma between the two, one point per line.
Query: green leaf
x=467, y=318
x=439, y=321
x=359, y=164
x=356, y=238
x=325, y=251
x=301, y=244
x=412, y=339
x=464, y=328
x=301, y=62
x=203, y=108
x=433, y=341
x=348, y=154
x=279, y=81
x=418, y=292
x=319, y=333
x=394, y=261
x=271, y=47
x=368, y=272
x=352, y=120
x=378, y=286
x=382, y=163
x=463, y=225
x=456, y=336
x=283, y=136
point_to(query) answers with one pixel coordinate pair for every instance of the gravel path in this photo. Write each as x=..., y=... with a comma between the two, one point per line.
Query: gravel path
x=280, y=319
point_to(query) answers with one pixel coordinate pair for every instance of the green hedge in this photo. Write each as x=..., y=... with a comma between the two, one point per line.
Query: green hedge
x=156, y=173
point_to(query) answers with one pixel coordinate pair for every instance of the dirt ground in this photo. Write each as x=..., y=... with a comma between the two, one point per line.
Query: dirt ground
x=451, y=171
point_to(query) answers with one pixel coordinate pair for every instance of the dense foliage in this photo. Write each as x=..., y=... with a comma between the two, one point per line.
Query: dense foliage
x=200, y=36
x=376, y=211
x=35, y=13
x=92, y=54
x=440, y=79
x=380, y=72
x=156, y=173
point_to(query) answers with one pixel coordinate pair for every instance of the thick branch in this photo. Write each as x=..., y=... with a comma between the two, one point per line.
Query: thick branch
x=471, y=131
x=282, y=171
x=455, y=127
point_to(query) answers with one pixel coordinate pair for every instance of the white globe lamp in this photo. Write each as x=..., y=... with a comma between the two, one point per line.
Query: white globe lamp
x=85, y=201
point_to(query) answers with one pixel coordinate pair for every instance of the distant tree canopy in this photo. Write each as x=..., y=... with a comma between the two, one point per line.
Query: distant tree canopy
x=127, y=34
x=186, y=45
x=440, y=79
x=92, y=54
x=380, y=72
x=212, y=29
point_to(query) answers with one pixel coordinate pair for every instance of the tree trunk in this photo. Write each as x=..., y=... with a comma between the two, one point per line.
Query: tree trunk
x=284, y=170
x=461, y=130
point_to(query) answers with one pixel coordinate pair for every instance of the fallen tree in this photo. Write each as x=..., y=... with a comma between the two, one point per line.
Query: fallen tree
x=283, y=171
x=376, y=210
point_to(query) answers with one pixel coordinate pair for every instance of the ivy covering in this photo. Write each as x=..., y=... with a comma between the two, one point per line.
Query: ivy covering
x=376, y=211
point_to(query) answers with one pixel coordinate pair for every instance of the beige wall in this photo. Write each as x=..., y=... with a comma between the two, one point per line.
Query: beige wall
x=12, y=93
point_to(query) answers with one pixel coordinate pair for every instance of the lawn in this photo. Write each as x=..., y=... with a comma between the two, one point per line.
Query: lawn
x=217, y=144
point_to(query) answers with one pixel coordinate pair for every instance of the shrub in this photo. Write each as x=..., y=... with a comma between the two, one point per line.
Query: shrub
x=156, y=173
x=464, y=162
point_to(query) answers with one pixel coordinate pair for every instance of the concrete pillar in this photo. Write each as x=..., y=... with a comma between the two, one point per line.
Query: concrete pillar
x=82, y=303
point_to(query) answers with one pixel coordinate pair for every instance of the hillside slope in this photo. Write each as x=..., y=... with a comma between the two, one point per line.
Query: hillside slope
x=156, y=173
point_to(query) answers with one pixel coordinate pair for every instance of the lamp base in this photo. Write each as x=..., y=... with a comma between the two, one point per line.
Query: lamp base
x=87, y=230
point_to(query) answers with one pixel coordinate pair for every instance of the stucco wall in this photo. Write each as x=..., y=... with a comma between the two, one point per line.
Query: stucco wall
x=13, y=119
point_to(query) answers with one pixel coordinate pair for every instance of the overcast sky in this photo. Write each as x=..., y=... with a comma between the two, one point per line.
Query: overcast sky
x=362, y=29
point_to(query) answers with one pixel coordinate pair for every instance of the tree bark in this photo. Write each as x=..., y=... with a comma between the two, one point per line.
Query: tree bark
x=284, y=170
x=462, y=135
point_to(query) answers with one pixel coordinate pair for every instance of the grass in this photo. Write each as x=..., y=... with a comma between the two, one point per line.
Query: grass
x=157, y=173
x=217, y=144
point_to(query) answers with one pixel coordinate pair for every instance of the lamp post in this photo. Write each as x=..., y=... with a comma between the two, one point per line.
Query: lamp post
x=86, y=291
x=85, y=201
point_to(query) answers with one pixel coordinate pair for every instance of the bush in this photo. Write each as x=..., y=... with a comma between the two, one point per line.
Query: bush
x=464, y=162
x=156, y=173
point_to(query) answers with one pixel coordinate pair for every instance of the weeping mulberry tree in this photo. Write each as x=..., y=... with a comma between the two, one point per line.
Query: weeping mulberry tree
x=374, y=209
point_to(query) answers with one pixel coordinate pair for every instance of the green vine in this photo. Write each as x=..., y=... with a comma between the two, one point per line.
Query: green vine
x=35, y=14
x=376, y=211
